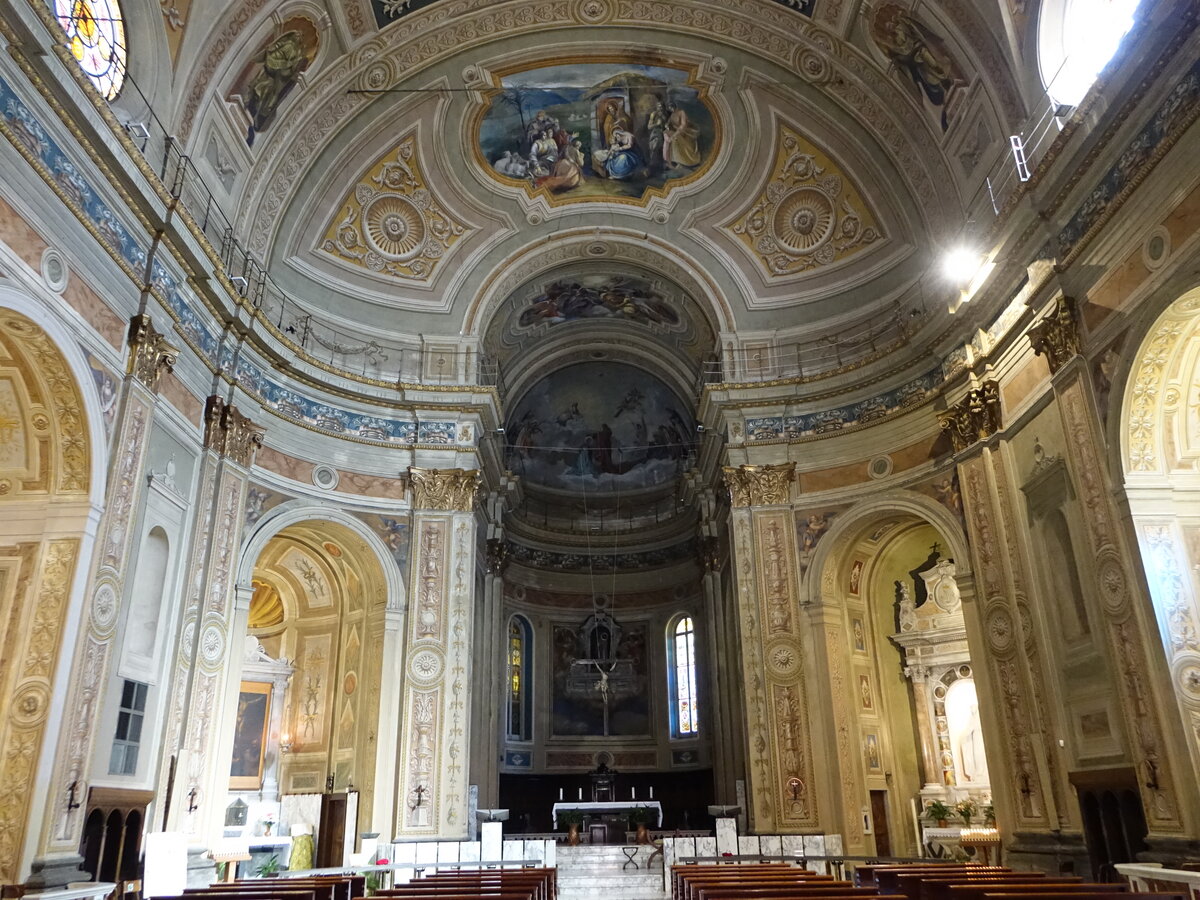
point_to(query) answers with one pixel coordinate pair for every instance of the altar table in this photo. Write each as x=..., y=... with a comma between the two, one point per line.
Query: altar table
x=608, y=806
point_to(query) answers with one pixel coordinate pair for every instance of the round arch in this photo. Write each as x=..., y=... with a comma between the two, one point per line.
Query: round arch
x=297, y=512
x=891, y=504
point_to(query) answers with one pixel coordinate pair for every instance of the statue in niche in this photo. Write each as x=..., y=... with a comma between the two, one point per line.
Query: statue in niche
x=907, y=609
x=972, y=762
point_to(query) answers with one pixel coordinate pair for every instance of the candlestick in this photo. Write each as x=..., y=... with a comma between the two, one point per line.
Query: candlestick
x=560, y=793
x=581, y=793
x=633, y=793
x=651, y=792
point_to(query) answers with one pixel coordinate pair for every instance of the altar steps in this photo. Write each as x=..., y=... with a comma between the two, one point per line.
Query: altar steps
x=590, y=871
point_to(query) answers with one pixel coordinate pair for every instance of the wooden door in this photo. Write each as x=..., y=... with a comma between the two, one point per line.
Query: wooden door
x=879, y=816
x=331, y=834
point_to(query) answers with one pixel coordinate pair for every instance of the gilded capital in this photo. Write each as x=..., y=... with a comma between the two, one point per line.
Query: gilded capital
x=230, y=433
x=1056, y=336
x=443, y=489
x=974, y=418
x=150, y=354
x=759, y=485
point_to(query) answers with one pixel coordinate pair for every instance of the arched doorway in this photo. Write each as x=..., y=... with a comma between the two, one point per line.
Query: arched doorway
x=1160, y=456
x=50, y=487
x=306, y=724
x=907, y=710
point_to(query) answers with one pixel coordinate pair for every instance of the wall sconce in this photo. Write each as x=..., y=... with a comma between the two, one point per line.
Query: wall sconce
x=72, y=803
x=285, y=743
x=795, y=788
x=192, y=807
x=1151, y=775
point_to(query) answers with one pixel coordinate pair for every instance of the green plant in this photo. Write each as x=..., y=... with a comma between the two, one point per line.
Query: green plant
x=268, y=867
x=937, y=811
x=639, y=815
x=989, y=815
x=570, y=817
x=966, y=809
x=371, y=883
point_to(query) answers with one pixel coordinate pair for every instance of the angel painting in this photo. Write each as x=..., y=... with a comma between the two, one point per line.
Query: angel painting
x=920, y=55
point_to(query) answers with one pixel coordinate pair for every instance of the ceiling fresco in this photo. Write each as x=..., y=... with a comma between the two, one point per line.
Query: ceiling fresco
x=598, y=128
x=600, y=427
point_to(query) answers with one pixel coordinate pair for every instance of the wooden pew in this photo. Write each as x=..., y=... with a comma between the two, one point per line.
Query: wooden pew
x=887, y=879
x=681, y=874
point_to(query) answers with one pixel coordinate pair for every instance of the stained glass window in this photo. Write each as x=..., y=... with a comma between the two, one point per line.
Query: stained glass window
x=96, y=38
x=685, y=719
x=518, y=680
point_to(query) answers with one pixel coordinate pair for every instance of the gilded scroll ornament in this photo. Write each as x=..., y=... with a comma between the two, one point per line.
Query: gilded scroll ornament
x=230, y=433
x=150, y=354
x=760, y=485
x=391, y=223
x=1056, y=336
x=452, y=490
x=809, y=214
x=974, y=418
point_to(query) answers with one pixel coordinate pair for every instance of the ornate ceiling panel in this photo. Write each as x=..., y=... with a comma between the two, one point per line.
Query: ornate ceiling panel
x=390, y=223
x=808, y=215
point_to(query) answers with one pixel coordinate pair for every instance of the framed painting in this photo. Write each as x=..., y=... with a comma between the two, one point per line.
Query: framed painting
x=860, y=635
x=871, y=752
x=250, y=736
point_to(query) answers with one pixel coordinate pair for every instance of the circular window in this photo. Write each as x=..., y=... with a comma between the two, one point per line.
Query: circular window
x=95, y=32
x=1076, y=40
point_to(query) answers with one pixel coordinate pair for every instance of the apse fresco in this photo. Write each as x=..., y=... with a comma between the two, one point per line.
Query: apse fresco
x=597, y=130
x=599, y=426
x=598, y=296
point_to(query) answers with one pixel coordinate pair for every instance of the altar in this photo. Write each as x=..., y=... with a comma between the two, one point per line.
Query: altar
x=607, y=807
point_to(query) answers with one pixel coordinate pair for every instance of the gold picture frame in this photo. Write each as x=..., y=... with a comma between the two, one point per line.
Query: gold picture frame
x=250, y=732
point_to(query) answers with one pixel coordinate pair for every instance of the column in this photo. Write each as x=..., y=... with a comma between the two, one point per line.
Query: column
x=780, y=785
x=150, y=357
x=490, y=698
x=435, y=738
x=205, y=684
x=923, y=710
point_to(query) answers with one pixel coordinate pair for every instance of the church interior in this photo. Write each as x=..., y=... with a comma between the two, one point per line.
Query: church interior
x=780, y=416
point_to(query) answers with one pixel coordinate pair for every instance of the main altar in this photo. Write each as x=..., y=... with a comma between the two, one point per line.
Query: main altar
x=607, y=807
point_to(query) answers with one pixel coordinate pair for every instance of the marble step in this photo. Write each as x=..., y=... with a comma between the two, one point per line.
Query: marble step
x=600, y=871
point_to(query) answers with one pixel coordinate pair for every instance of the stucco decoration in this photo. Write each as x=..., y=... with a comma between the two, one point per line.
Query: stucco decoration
x=760, y=485
x=390, y=223
x=809, y=214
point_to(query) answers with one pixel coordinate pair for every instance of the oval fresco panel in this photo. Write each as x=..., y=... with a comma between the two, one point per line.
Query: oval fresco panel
x=597, y=129
x=600, y=426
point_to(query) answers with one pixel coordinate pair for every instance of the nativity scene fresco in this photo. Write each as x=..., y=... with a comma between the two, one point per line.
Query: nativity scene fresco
x=599, y=426
x=597, y=130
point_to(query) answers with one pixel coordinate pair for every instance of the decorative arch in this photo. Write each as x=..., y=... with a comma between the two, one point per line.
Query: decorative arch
x=827, y=556
x=1160, y=461
x=52, y=469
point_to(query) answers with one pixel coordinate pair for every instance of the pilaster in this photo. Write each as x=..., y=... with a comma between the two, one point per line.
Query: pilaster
x=213, y=628
x=438, y=645
x=150, y=356
x=780, y=788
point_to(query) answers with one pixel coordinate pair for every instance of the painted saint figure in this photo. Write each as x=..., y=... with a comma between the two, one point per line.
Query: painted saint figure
x=681, y=140
x=920, y=53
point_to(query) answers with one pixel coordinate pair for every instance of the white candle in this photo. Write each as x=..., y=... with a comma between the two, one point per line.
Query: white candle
x=581, y=793
x=633, y=793
x=560, y=793
x=651, y=792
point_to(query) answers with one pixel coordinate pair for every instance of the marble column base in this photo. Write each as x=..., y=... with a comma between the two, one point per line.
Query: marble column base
x=49, y=872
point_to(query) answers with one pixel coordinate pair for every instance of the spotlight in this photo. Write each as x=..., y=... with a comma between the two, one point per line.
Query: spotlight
x=962, y=264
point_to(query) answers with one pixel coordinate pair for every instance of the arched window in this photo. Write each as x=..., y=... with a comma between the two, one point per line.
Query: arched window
x=95, y=32
x=681, y=660
x=1076, y=40
x=520, y=705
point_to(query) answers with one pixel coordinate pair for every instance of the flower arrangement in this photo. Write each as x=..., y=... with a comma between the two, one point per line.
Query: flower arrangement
x=938, y=811
x=966, y=809
x=268, y=822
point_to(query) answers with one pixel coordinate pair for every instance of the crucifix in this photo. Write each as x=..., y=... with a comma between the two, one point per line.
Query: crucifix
x=602, y=687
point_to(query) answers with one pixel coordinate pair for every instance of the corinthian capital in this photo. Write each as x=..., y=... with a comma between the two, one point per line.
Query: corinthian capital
x=1056, y=336
x=443, y=489
x=229, y=432
x=975, y=417
x=759, y=485
x=150, y=354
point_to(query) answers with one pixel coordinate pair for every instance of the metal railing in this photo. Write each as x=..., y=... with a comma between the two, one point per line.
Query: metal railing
x=278, y=317
x=825, y=355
